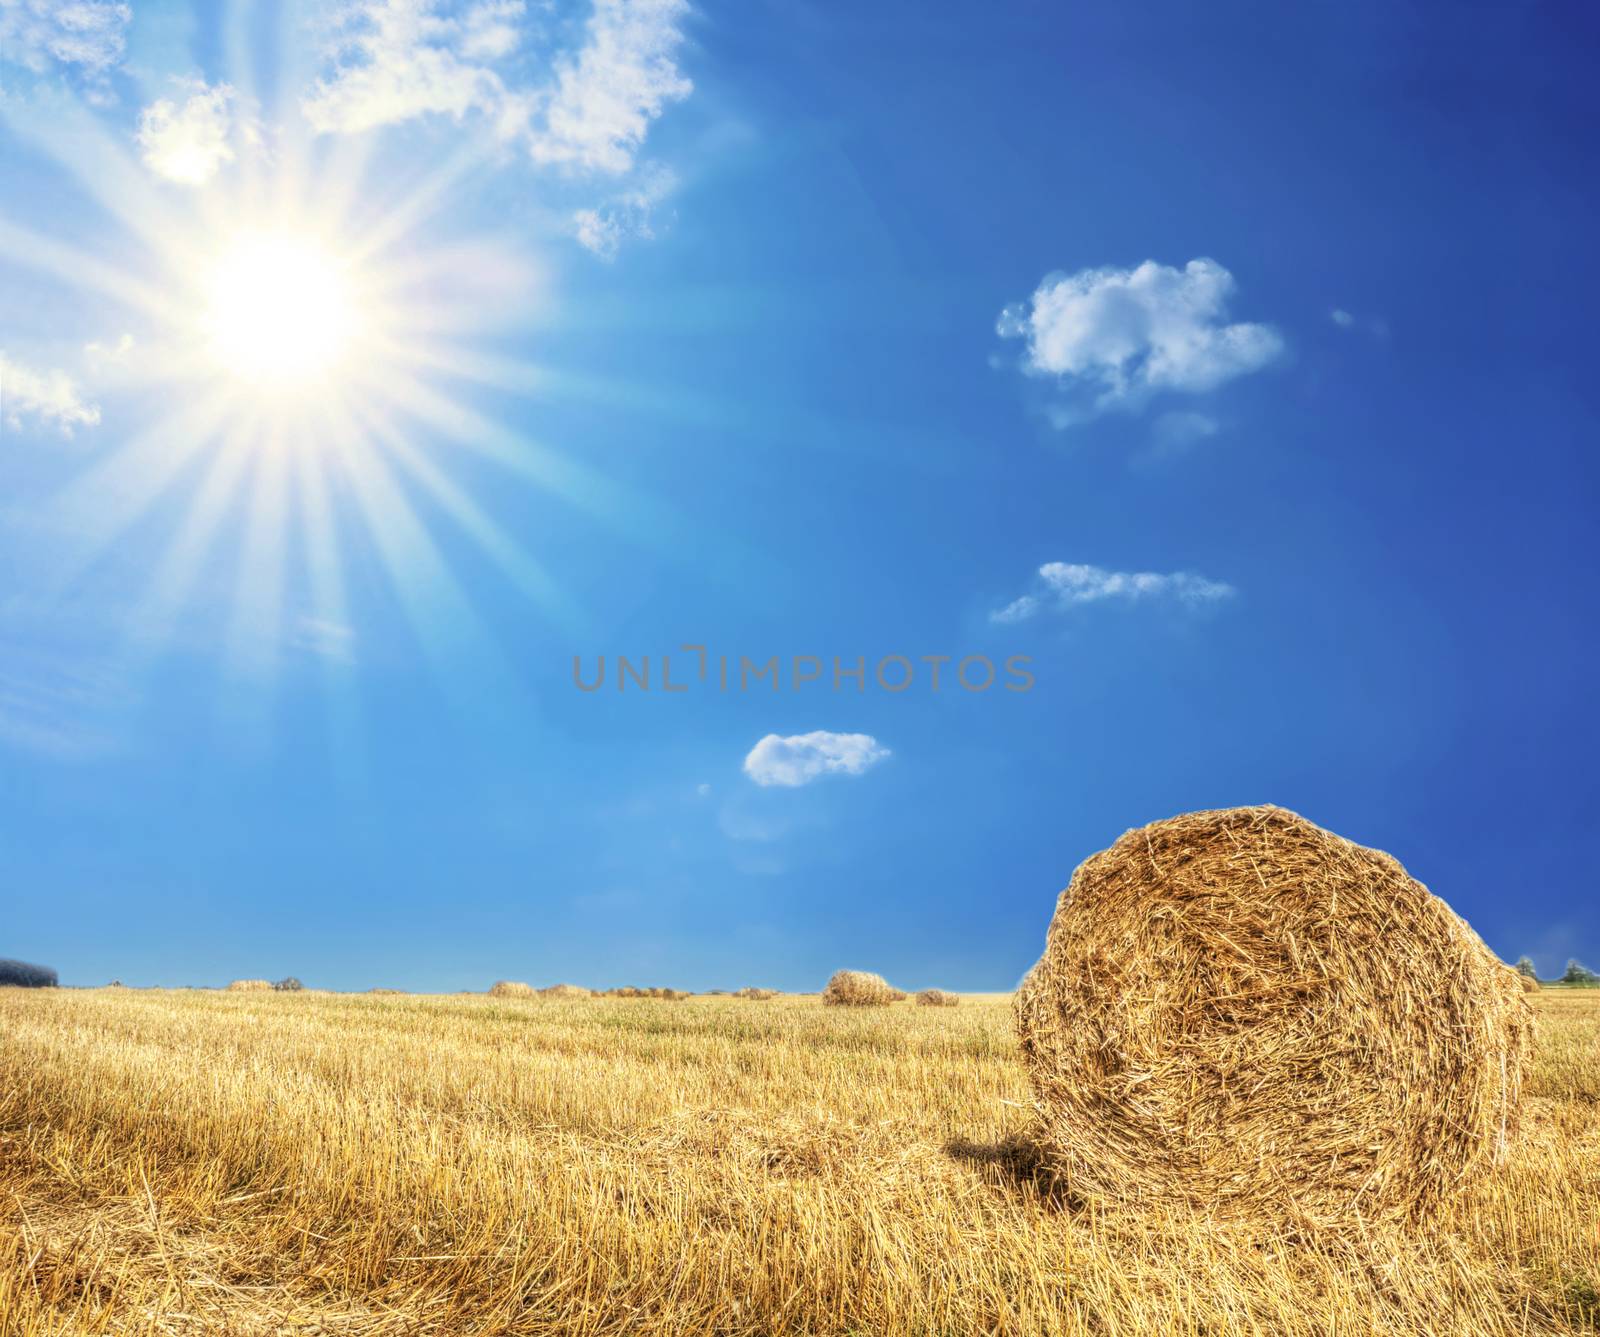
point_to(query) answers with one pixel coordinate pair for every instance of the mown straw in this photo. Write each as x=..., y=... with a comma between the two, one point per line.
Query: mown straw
x=1243, y=1012
x=936, y=998
x=250, y=986
x=510, y=989
x=859, y=988
x=559, y=991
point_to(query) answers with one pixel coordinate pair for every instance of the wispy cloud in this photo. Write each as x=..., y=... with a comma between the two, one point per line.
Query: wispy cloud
x=1062, y=585
x=1114, y=338
x=398, y=59
x=86, y=35
x=587, y=119
x=51, y=399
x=324, y=638
x=394, y=60
x=58, y=708
x=1376, y=326
x=189, y=139
x=629, y=216
x=801, y=758
x=608, y=94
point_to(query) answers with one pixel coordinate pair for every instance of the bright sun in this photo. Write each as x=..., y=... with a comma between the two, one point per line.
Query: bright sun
x=281, y=311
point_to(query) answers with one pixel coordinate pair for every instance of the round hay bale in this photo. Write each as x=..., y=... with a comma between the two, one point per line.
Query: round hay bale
x=755, y=995
x=510, y=989
x=1528, y=984
x=1242, y=1012
x=936, y=998
x=559, y=991
x=381, y=990
x=858, y=988
x=250, y=986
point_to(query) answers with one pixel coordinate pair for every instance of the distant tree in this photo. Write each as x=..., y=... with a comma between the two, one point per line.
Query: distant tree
x=26, y=976
x=1525, y=967
x=1577, y=974
x=288, y=985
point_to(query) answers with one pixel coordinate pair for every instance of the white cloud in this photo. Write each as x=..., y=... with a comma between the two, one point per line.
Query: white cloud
x=398, y=59
x=620, y=81
x=1115, y=337
x=1066, y=584
x=87, y=34
x=703, y=790
x=802, y=758
x=628, y=217
x=188, y=141
x=1342, y=318
x=48, y=398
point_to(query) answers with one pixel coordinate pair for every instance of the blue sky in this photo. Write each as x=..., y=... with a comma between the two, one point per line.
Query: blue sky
x=364, y=364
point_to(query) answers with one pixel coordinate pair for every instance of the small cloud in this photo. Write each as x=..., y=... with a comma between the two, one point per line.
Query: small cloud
x=627, y=217
x=1176, y=432
x=324, y=638
x=101, y=355
x=802, y=758
x=86, y=35
x=1376, y=326
x=44, y=398
x=1064, y=585
x=1114, y=338
x=703, y=790
x=188, y=141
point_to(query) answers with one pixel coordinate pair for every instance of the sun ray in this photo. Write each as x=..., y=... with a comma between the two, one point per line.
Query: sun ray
x=104, y=169
x=527, y=574
x=100, y=506
x=255, y=630
x=151, y=624
x=468, y=663
x=84, y=272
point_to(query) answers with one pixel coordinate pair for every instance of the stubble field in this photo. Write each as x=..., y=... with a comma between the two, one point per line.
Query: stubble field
x=209, y=1163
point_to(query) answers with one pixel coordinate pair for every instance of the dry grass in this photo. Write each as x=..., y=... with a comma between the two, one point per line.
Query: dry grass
x=218, y=1164
x=1240, y=1011
x=250, y=986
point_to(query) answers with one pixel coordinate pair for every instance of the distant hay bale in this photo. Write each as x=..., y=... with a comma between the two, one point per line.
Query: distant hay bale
x=755, y=995
x=859, y=988
x=624, y=991
x=510, y=989
x=1528, y=984
x=936, y=998
x=289, y=984
x=559, y=991
x=386, y=991
x=1240, y=1011
x=250, y=986
x=25, y=975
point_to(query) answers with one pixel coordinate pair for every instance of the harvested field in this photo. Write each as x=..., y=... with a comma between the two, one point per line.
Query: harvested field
x=206, y=1163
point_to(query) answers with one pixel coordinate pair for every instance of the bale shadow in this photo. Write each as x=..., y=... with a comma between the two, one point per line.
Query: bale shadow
x=1017, y=1163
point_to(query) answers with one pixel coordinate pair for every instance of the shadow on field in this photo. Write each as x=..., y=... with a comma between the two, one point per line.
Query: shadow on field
x=1018, y=1164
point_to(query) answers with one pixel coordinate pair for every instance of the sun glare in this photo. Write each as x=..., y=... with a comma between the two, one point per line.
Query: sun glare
x=281, y=311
